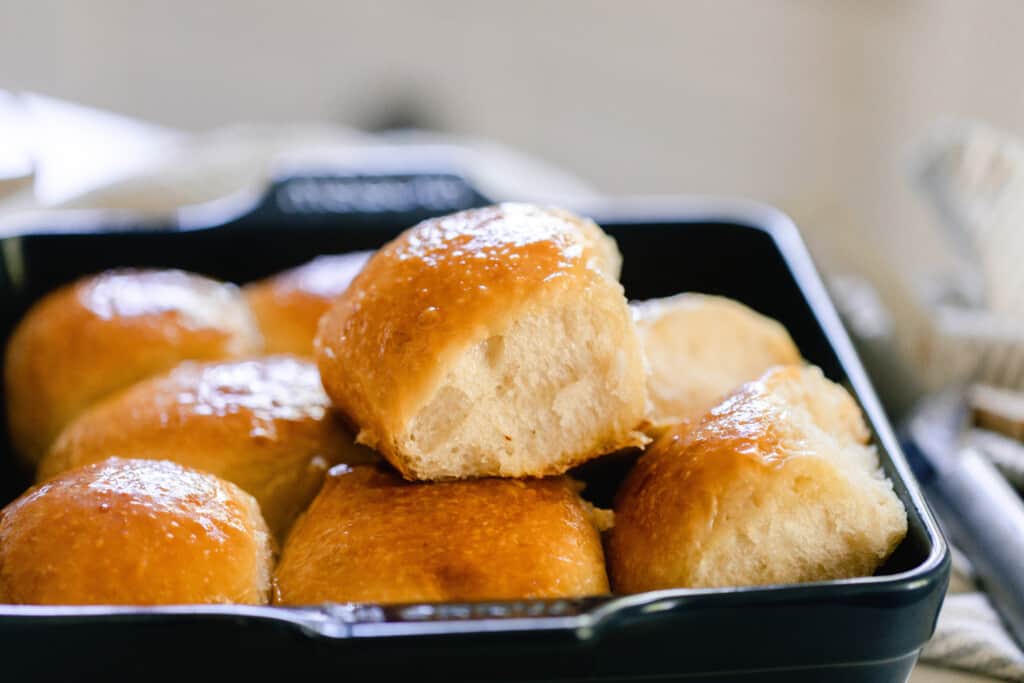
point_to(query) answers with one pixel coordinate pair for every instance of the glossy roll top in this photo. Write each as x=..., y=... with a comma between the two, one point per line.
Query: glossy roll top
x=288, y=306
x=490, y=342
x=134, y=532
x=370, y=536
x=103, y=333
x=264, y=424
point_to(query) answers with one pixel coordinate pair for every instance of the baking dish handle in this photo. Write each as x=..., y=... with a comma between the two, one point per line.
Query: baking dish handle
x=303, y=198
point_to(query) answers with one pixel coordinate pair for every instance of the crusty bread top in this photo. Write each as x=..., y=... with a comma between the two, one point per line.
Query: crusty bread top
x=371, y=536
x=134, y=532
x=289, y=305
x=263, y=423
x=774, y=485
x=750, y=428
x=102, y=333
x=441, y=286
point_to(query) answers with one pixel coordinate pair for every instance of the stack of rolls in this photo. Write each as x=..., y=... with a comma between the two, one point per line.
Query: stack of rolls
x=109, y=382
x=482, y=355
x=401, y=426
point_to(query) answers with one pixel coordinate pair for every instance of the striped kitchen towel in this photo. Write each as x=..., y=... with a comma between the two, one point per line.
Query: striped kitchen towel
x=969, y=635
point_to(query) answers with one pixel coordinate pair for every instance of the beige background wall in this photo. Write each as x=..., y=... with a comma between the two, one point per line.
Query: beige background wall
x=809, y=105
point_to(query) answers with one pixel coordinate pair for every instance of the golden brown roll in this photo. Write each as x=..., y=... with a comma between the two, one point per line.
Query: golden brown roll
x=775, y=485
x=488, y=342
x=288, y=305
x=264, y=424
x=134, y=532
x=700, y=348
x=370, y=536
x=103, y=333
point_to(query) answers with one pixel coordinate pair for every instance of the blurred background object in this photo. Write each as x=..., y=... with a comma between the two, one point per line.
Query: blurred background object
x=804, y=105
x=16, y=170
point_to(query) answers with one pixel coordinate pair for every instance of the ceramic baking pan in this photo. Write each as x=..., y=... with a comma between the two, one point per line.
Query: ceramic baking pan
x=864, y=629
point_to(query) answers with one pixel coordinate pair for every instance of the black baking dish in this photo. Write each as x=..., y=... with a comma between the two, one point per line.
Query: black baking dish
x=868, y=629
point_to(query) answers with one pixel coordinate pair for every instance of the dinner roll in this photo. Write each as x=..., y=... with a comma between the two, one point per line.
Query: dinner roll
x=488, y=342
x=89, y=339
x=288, y=305
x=700, y=348
x=775, y=485
x=134, y=532
x=264, y=424
x=370, y=536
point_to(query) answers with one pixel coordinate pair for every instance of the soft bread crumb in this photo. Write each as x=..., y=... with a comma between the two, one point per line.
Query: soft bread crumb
x=700, y=348
x=603, y=520
x=520, y=404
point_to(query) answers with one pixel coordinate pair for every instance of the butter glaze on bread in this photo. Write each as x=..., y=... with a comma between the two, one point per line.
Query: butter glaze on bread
x=264, y=424
x=775, y=485
x=701, y=348
x=370, y=536
x=492, y=342
x=289, y=305
x=134, y=532
x=103, y=333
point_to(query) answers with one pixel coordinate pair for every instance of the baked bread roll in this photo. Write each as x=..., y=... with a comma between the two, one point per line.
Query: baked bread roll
x=264, y=424
x=103, y=333
x=775, y=485
x=370, y=536
x=700, y=348
x=489, y=342
x=134, y=532
x=288, y=305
